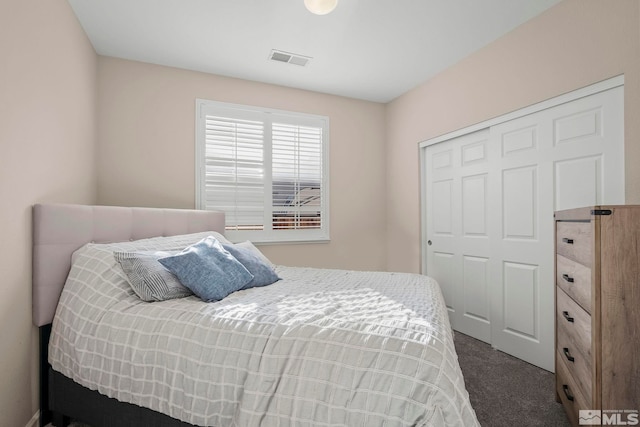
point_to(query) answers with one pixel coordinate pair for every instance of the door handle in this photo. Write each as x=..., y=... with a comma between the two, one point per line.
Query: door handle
x=570, y=358
x=567, y=278
x=565, y=388
x=566, y=316
x=429, y=242
x=567, y=241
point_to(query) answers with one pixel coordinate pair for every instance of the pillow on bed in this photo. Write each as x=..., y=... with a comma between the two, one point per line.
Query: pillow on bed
x=255, y=262
x=208, y=270
x=149, y=279
x=250, y=246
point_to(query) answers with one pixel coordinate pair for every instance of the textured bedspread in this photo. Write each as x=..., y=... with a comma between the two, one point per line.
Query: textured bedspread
x=318, y=348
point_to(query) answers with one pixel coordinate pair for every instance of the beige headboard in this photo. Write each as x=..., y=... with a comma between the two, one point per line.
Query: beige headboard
x=58, y=230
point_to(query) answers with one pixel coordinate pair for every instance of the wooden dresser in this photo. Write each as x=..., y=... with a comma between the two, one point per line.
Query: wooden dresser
x=598, y=309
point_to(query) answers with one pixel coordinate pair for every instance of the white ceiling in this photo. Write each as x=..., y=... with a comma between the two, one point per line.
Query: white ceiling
x=368, y=49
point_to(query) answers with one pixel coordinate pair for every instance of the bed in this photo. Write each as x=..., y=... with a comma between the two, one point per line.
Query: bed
x=318, y=347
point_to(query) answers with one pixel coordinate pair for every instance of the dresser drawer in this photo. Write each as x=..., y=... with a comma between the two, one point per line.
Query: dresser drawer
x=575, y=279
x=576, y=358
x=573, y=329
x=570, y=395
x=573, y=241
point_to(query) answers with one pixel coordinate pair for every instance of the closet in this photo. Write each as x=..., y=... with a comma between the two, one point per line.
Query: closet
x=488, y=197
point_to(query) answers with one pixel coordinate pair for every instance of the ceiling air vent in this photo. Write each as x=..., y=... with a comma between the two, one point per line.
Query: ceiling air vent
x=289, y=58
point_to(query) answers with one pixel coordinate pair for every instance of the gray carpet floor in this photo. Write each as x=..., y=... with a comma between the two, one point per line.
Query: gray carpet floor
x=504, y=390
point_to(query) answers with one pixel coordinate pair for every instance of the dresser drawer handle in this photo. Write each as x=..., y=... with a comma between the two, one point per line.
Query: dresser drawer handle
x=567, y=241
x=565, y=388
x=566, y=316
x=570, y=358
x=567, y=278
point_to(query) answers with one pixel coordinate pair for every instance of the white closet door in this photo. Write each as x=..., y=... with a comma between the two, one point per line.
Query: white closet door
x=490, y=198
x=522, y=230
x=458, y=214
x=568, y=156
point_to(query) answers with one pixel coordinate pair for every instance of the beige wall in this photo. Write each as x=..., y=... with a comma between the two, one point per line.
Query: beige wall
x=47, y=137
x=572, y=45
x=146, y=137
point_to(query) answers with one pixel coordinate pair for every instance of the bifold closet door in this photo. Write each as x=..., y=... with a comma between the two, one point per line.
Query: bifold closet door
x=490, y=197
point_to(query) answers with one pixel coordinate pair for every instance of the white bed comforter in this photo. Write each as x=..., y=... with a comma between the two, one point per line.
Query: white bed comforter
x=318, y=348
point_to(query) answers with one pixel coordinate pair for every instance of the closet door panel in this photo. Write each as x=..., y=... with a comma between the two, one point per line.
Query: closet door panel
x=520, y=202
x=588, y=150
x=458, y=219
x=522, y=306
x=578, y=182
x=521, y=298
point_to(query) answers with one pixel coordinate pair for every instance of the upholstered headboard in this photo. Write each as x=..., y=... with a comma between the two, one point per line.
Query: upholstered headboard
x=58, y=230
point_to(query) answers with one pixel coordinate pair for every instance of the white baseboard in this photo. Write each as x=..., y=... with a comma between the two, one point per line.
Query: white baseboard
x=35, y=420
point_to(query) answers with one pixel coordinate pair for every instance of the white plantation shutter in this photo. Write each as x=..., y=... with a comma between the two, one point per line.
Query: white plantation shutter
x=265, y=169
x=297, y=176
x=234, y=171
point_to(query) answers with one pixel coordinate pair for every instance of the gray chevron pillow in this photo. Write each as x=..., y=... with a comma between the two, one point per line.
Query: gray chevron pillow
x=149, y=279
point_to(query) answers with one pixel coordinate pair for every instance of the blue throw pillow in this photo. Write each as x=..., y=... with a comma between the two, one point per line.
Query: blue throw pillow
x=208, y=270
x=263, y=273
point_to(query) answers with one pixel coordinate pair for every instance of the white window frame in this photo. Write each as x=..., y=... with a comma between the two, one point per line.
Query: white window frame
x=268, y=235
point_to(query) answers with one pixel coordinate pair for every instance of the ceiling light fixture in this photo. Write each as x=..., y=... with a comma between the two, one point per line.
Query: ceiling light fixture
x=320, y=7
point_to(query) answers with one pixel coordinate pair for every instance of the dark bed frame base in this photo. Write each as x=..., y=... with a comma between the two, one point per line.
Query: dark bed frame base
x=63, y=400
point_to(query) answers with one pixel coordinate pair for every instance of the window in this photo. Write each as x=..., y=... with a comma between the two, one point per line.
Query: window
x=266, y=169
